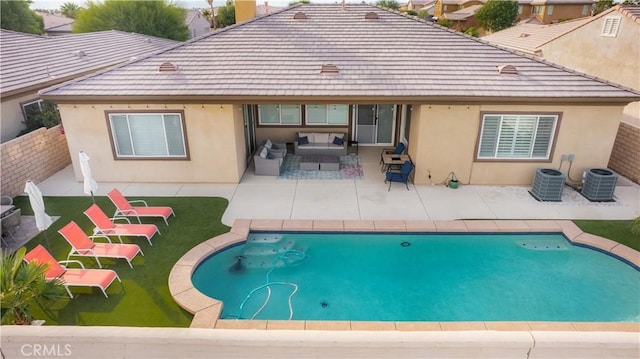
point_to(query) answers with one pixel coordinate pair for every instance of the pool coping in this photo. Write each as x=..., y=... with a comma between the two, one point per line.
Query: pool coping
x=206, y=311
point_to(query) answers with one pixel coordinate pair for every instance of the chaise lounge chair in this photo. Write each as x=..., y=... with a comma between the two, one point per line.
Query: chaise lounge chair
x=105, y=226
x=125, y=208
x=83, y=245
x=101, y=278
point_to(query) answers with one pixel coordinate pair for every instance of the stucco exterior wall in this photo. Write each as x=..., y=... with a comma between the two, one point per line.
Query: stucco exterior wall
x=214, y=134
x=561, y=12
x=11, y=111
x=615, y=59
x=443, y=139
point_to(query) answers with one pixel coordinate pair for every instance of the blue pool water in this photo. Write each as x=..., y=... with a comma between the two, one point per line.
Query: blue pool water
x=419, y=277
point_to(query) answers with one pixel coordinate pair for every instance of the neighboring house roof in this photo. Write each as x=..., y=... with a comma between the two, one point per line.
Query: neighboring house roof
x=575, y=2
x=190, y=15
x=31, y=61
x=463, y=14
x=54, y=20
x=267, y=9
x=528, y=37
x=420, y=2
x=632, y=12
x=281, y=55
x=60, y=29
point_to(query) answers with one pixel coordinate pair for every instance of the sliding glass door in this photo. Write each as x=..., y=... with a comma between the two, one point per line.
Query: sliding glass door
x=375, y=124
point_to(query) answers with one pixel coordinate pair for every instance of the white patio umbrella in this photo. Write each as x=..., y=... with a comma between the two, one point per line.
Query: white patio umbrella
x=43, y=221
x=90, y=185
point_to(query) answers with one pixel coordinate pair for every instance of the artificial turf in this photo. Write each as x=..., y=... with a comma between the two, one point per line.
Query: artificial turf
x=619, y=231
x=143, y=299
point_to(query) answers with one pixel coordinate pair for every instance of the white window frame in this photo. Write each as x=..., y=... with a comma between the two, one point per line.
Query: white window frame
x=549, y=9
x=586, y=9
x=280, y=123
x=31, y=102
x=327, y=119
x=611, y=26
x=519, y=129
x=520, y=9
x=167, y=155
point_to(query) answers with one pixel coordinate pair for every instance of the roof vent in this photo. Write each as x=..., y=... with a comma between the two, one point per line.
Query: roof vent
x=371, y=16
x=524, y=34
x=148, y=41
x=79, y=54
x=329, y=69
x=168, y=67
x=507, y=70
x=300, y=15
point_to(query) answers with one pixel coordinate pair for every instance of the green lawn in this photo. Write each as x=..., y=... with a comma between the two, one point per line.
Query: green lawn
x=143, y=299
x=619, y=231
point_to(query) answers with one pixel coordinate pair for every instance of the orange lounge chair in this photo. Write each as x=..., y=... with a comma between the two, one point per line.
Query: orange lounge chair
x=82, y=245
x=125, y=208
x=105, y=226
x=101, y=278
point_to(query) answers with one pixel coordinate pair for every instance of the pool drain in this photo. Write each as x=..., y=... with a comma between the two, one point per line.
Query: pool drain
x=324, y=304
x=405, y=244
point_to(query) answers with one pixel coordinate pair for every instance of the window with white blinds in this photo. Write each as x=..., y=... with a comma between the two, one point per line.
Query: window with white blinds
x=148, y=135
x=611, y=26
x=516, y=136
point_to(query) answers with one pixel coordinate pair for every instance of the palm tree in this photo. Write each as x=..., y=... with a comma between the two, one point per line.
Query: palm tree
x=21, y=285
x=70, y=9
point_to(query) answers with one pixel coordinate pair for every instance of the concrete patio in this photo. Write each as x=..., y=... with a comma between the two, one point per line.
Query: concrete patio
x=265, y=197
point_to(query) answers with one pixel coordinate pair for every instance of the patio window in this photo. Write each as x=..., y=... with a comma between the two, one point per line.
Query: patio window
x=327, y=115
x=286, y=115
x=148, y=135
x=585, y=10
x=549, y=9
x=511, y=136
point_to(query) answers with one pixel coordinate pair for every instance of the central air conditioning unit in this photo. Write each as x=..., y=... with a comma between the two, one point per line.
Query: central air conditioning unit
x=547, y=185
x=599, y=184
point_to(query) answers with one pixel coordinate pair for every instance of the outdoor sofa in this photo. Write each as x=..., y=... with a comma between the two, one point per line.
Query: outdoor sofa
x=320, y=143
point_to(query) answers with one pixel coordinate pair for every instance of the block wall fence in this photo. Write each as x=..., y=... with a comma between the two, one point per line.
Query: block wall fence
x=625, y=156
x=34, y=156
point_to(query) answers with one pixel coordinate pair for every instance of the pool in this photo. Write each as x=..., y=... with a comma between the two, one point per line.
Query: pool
x=419, y=277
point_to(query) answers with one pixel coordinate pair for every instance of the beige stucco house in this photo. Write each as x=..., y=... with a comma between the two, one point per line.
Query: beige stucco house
x=29, y=63
x=195, y=112
x=606, y=46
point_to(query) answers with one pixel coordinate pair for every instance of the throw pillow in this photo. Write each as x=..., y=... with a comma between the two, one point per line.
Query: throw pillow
x=338, y=141
x=264, y=152
x=303, y=140
x=268, y=144
x=274, y=146
x=270, y=156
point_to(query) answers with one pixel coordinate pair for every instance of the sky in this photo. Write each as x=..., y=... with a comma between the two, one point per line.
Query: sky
x=188, y=4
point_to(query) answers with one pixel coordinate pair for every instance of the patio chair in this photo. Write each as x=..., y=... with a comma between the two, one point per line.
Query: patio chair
x=393, y=151
x=83, y=245
x=401, y=176
x=101, y=278
x=398, y=150
x=125, y=208
x=11, y=223
x=106, y=226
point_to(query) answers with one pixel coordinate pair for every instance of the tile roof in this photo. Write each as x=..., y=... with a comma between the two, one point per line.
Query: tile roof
x=278, y=57
x=464, y=13
x=528, y=37
x=54, y=20
x=28, y=61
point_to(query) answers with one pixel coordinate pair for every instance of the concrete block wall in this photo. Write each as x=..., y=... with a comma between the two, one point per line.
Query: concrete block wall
x=35, y=156
x=625, y=156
